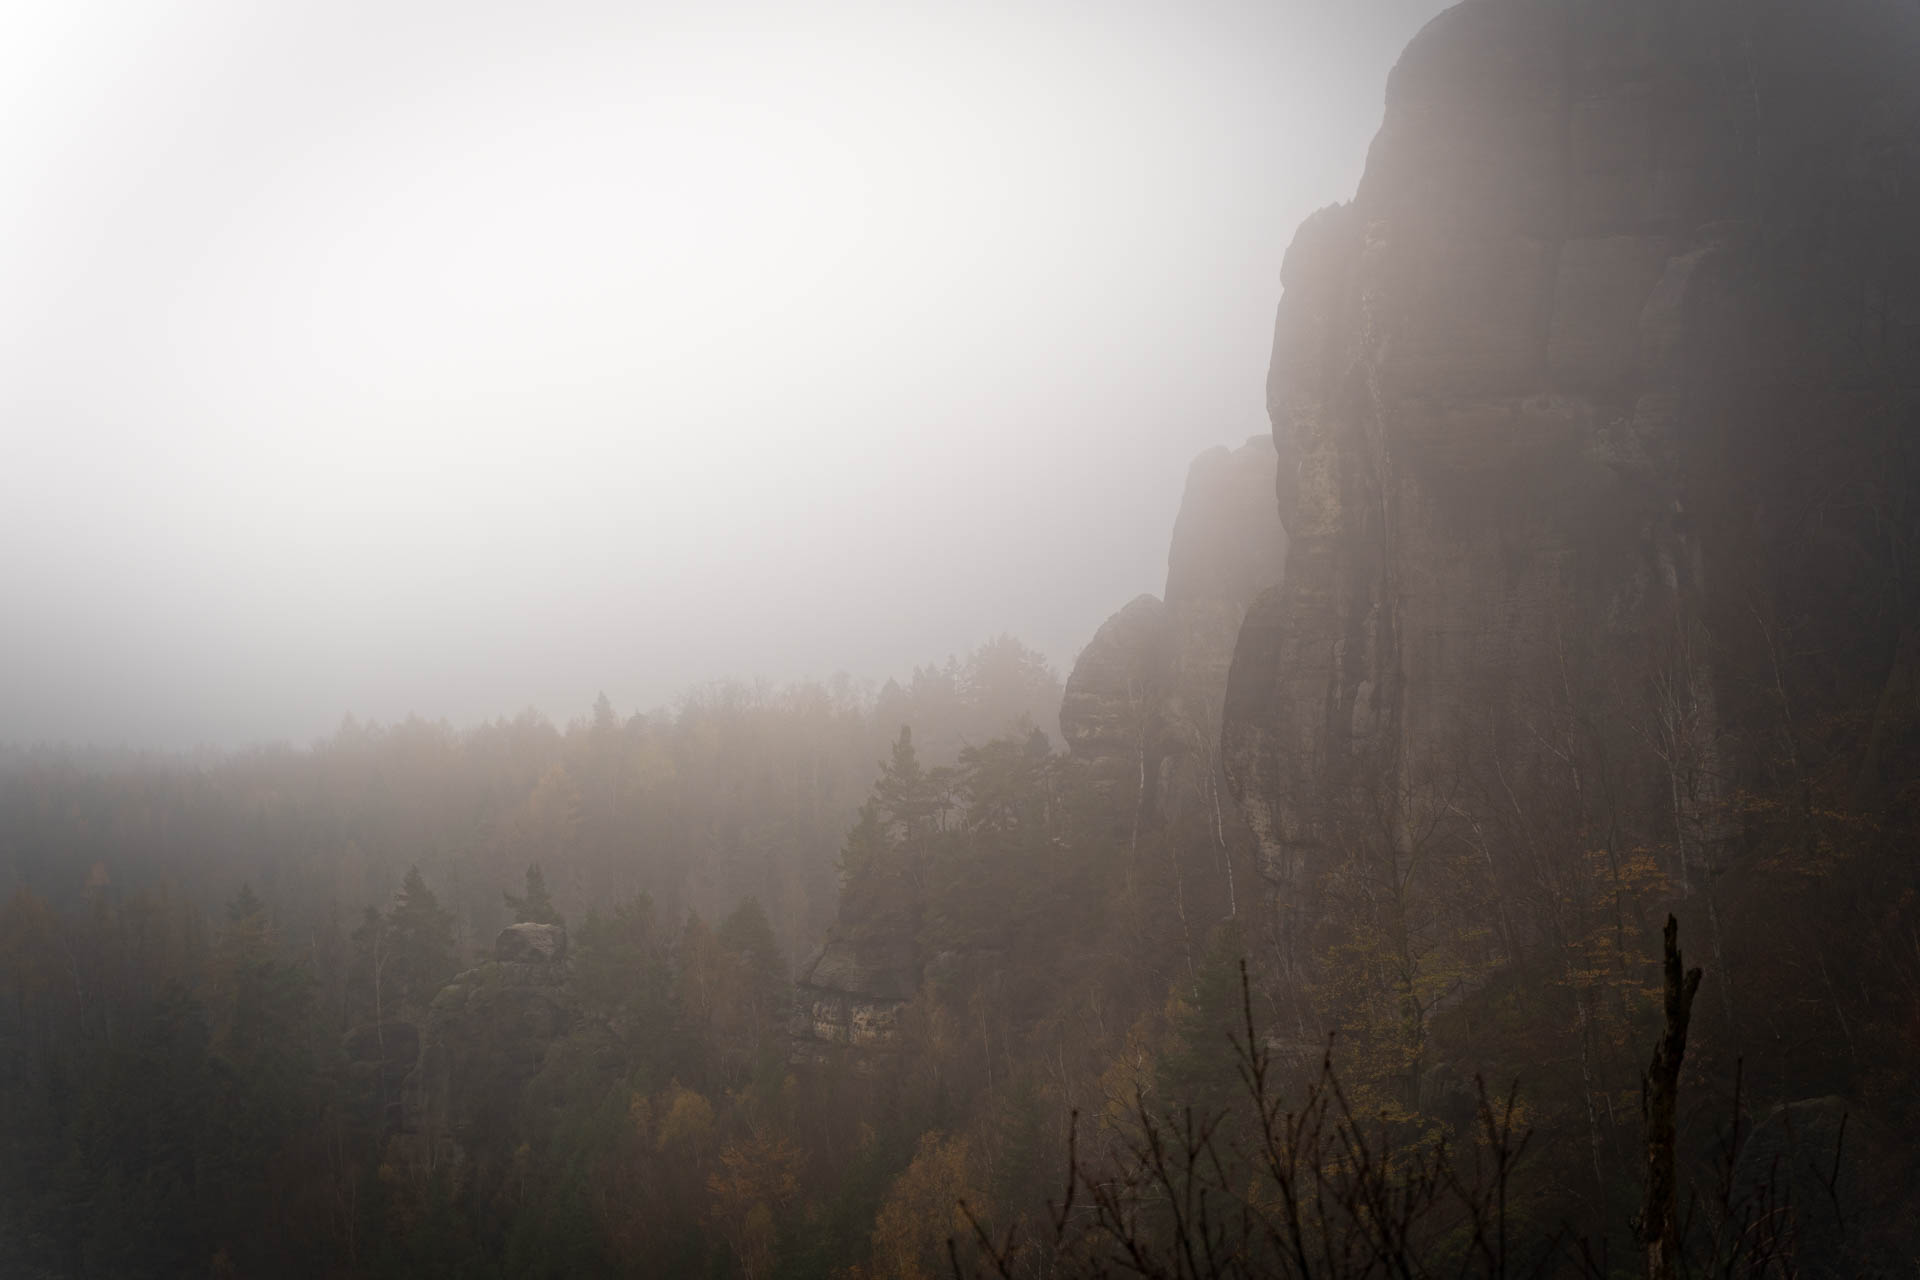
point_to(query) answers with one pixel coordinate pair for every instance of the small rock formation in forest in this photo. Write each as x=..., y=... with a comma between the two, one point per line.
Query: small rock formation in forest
x=487, y=1034
x=850, y=992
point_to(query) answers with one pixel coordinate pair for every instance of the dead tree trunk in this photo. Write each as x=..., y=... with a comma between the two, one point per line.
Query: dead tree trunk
x=1659, y=1092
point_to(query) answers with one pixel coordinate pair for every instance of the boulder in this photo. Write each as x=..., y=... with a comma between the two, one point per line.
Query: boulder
x=851, y=991
x=531, y=944
x=489, y=1034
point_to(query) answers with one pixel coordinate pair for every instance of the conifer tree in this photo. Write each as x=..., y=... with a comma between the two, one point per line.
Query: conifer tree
x=533, y=906
x=747, y=934
x=419, y=940
x=1005, y=783
x=866, y=844
x=905, y=796
x=1200, y=1069
x=260, y=1033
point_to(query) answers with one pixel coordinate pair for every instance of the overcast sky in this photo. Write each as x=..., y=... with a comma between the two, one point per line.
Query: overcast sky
x=454, y=358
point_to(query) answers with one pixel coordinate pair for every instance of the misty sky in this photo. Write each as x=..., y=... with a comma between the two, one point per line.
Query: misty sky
x=455, y=358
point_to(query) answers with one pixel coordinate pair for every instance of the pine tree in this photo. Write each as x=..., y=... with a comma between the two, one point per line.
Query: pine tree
x=905, y=797
x=748, y=935
x=419, y=941
x=866, y=844
x=534, y=906
x=245, y=976
x=605, y=722
x=1200, y=1069
x=372, y=946
x=622, y=967
x=1003, y=682
x=1005, y=783
x=700, y=991
x=261, y=1024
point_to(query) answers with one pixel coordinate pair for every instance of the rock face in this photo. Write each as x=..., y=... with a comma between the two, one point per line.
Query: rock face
x=1142, y=706
x=1228, y=546
x=490, y=1031
x=851, y=993
x=488, y=1034
x=531, y=944
x=1110, y=716
x=1604, y=381
x=1141, y=716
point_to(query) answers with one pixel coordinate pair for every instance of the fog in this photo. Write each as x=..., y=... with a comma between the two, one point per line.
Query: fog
x=450, y=359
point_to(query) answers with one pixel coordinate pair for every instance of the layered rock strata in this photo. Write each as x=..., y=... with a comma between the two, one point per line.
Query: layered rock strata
x=850, y=994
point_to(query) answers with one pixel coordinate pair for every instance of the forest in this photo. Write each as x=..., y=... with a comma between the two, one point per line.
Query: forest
x=218, y=978
x=199, y=957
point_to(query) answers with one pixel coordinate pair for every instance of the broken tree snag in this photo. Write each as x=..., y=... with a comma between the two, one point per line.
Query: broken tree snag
x=1659, y=1090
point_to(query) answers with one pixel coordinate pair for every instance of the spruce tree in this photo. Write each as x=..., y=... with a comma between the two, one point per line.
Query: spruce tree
x=1200, y=1068
x=534, y=906
x=419, y=940
x=904, y=793
x=748, y=935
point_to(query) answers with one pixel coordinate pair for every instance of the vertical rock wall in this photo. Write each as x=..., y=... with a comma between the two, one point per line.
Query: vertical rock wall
x=1603, y=383
x=1142, y=709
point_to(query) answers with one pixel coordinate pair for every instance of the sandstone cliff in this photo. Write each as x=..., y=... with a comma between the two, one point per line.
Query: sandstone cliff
x=1143, y=703
x=1601, y=396
x=1141, y=720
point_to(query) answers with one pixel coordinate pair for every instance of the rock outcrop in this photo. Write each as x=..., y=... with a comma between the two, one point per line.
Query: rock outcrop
x=1604, y=381
x=493, y=1029
x=459, y=1074
x=1141, y=718
x=538, y=944
x=1110, y=716
x=1143, y=704
x=851, y=992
